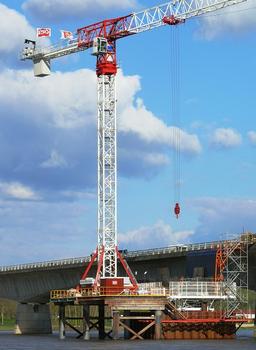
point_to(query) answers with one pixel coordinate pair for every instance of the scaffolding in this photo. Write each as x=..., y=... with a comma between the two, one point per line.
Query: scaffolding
x=228, y=293
x=235, y=274
x=196, y=289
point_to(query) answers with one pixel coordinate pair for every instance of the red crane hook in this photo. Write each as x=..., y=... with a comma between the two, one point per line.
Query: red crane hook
x=177, y=210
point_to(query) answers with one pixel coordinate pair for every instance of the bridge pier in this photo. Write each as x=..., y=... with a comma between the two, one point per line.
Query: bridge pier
x=33, y=319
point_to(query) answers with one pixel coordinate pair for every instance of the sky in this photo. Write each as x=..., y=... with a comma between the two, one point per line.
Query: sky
x=205, y=71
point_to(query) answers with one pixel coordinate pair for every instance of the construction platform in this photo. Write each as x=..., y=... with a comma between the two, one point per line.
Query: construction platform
x=145, y=314
x=126, y=311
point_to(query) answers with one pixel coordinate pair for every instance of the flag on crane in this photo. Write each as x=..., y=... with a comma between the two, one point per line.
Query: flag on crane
x=65, y=34
x=43, y=32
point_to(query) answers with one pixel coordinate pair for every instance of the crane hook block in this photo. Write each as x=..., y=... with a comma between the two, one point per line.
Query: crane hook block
x=177, y=210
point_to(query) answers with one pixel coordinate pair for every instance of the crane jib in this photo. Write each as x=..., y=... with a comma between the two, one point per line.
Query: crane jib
x=170, y=13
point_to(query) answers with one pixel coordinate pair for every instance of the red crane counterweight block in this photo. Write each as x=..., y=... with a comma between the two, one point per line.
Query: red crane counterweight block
x=177, y=210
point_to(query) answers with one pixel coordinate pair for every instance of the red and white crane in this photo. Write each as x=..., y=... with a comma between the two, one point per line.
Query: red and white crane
x=102, y=38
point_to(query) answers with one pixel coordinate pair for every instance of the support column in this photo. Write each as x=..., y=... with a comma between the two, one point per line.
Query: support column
x=101, y=321
x=33, y=319
x=86, y=321
x=158, y=315
x=62, y=332
x=115, y=325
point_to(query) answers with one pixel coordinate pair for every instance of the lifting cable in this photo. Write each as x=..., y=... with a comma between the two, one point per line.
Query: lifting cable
x=175, y=115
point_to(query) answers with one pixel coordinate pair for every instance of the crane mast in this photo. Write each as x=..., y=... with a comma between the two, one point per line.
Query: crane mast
x=107, y=174
x=102, y=37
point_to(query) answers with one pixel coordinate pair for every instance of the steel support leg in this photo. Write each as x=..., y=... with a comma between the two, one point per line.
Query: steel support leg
x=62, y=334
x=158, y=315
x=86, y=321
x=115, y=325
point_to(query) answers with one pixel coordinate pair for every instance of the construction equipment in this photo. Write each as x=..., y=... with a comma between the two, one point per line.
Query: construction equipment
x=101, y=37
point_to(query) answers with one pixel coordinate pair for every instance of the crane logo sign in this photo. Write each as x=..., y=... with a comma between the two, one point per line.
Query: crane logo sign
x=43, y=32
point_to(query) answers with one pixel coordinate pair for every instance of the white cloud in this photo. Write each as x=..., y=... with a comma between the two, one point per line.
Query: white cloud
x=56, y=160
x=233, y=19
x=158, y=235
x=16, y=190
x=64, y=104
x=218, y=216
x=157, y=159
x=63, y=100
x=225, y=138
x=68, y=100
x=252, y=137
x=14, y=28
x=56, y=10
x=136, y=118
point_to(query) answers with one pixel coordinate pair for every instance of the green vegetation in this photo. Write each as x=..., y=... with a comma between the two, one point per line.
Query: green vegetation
x=7, y=314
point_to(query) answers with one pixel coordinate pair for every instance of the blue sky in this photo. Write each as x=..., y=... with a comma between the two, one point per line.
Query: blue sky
x=48, y=200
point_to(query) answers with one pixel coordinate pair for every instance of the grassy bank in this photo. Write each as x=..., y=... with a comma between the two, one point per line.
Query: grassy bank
x=8, y=325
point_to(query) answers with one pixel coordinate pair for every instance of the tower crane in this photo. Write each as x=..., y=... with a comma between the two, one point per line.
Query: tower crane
x=102, y=37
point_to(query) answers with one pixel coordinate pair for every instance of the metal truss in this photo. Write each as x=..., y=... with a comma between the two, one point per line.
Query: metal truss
x=180, y=9
x=121, y=27
x=107, y=219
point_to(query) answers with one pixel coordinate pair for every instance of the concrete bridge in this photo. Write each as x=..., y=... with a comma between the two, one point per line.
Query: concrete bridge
x=31, y=283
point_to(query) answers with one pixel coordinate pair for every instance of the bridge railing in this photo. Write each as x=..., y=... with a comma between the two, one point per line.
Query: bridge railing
x=45, y=264
x=174, y=249
x=187, y=247
x=178, y=248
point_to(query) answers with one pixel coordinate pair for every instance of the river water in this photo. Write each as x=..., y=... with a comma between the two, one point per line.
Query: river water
x=8, y=341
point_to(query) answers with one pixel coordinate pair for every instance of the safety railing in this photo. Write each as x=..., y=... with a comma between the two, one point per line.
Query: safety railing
x=104, y=292
x=197, y=290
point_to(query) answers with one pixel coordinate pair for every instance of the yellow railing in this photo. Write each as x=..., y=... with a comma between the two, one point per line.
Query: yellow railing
x=103, y=291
